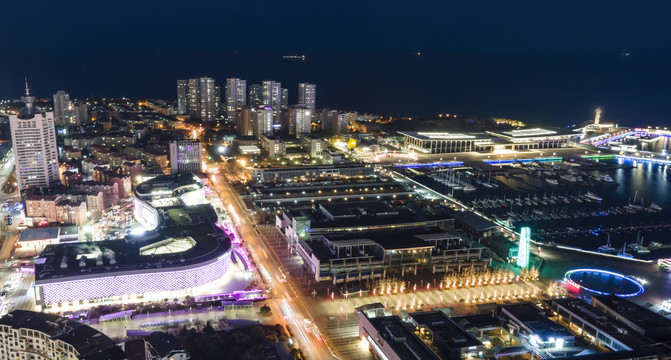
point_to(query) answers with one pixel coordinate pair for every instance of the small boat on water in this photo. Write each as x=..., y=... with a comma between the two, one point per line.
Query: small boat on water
x=469, y=188
x=623, y=253
x=568, y=177
x=552, y=181
x=606, y=178
x=638, y=246
x=592, y=196
x=654, y=207
x=607, y=249
x=633, y=205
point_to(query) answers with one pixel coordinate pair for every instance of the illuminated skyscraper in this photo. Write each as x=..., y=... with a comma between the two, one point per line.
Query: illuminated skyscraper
x=284, y=99
x=219, y=108
x=272, y=94
x=182, y=97
x=236, y=96
x=34, y=143
x=198, y=98
x=254, y=94
x=300, y=120
x=262, y=120
x=66, y=112
x=244, y=121
x=525, y=244
x=61, y=104
x=272, y=97
x=185, y=156
x=307, y=94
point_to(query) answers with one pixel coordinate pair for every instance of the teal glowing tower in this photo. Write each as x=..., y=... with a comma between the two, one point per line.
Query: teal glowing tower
x=523, y=251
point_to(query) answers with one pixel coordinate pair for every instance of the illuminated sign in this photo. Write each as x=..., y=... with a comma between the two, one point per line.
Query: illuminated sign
x=523, y=251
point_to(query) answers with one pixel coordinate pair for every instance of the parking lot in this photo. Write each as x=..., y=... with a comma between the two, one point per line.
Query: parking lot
x=116, y=223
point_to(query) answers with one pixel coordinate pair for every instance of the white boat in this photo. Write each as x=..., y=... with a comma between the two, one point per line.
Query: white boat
x=607, y=248
x=638, y=246
x=552, y=181
x=568, y=177
x=606, y=178
x=654, y=207
x=592, y=196
x=623, y=253
x=470, y=188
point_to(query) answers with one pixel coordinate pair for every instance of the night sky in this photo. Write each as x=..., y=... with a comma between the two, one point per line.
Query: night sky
x=547, y=61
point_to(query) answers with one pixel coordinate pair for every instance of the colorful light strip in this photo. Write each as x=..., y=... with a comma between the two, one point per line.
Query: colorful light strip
x=412, y=166
x=523, y=250
x=567, y=279
x=229, y=229
x=644, y=160
x=511, y=161
x=245, y=257
x=238, y=295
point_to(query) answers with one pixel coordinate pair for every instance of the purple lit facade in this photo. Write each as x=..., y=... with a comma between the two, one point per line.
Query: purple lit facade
x=98, y=286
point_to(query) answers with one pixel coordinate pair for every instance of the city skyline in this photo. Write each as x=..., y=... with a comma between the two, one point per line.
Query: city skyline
x=335, y=180
x=535, y=62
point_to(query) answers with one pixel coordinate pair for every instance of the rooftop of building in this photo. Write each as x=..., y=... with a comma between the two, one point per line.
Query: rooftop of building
x=320, y=222
x=357, y=209
x=427, y=135
x=70, y=203
x=385, y=240
x=88, y=342
x=190, y=141
x=165, y=184
x=29, y=110
x=444, y=329
x=39, y=234
x=312, y=167
x=95, y=161
x=190, y=229
x=473, y=220
x=477, y=321
x=299, y=188
x=69, y=231
x=639, y=315
x=533, y=318
x=532, y=133
x=164, y=343
x=598, y=319
x=401, y=213
x=37, y=197
x=402, y=340
x=118, y=133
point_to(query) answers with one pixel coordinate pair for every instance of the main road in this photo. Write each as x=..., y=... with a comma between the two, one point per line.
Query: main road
x=288, y=301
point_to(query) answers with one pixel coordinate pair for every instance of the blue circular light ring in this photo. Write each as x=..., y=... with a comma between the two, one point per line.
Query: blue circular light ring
x=567, y=279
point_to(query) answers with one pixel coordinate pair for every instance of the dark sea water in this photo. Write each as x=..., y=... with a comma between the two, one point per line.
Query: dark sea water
x=557, y=89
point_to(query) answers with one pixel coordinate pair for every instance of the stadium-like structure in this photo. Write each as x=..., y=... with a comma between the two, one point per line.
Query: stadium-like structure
x=186, y=251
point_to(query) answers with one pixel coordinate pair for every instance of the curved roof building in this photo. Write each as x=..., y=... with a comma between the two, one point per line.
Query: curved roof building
x=184, y=189
x=188, y=251
x=182, y=251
